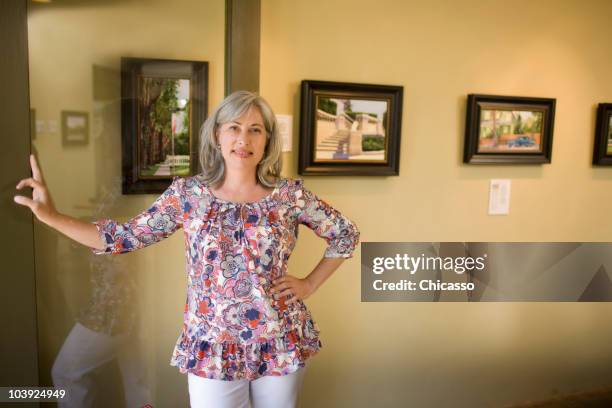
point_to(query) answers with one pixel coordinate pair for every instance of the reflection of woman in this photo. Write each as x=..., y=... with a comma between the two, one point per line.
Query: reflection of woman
x=104, y=331
x=245, y=320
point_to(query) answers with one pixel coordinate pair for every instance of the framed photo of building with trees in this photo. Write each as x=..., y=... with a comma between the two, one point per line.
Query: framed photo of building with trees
x=349, y=129
x=508, y=130
x=164, y=104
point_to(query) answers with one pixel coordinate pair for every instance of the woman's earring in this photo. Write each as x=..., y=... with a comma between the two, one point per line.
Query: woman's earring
x=218, y=146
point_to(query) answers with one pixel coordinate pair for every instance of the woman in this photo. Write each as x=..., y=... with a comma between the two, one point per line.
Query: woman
x=247, y=333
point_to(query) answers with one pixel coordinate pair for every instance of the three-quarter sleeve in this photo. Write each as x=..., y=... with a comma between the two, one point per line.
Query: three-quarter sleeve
x=159, y=221
x=341, y=234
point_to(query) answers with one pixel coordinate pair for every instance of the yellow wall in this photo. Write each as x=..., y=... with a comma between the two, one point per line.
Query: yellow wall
x=75, y=50
x=452, y=354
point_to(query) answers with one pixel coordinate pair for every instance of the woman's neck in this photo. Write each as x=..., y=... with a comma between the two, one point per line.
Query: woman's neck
x=241, y=189
x=239, y=181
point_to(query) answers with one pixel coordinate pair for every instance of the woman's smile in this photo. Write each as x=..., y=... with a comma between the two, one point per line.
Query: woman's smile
x=242, y=153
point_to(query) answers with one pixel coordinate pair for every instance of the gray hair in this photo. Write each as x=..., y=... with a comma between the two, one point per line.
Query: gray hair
x=232, y=107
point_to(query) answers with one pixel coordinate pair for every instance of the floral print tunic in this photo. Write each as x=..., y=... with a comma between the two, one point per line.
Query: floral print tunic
x=233, y=327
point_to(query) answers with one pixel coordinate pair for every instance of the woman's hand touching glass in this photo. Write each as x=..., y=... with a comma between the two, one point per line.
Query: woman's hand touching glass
x=41, y=203
x=43, y=208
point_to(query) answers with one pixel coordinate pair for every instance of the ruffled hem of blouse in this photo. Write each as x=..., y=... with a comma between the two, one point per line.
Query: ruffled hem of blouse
x=236, y=361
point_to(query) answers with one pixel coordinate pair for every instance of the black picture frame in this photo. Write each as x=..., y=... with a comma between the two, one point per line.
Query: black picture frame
x=528, y=141
x=602, y=152
x=339, y=150
x=143, y=148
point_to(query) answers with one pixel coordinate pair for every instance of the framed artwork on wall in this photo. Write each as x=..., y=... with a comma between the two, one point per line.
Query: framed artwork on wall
x=508, y=130
x=349, y=129
x=164, y=104
x=75, y=128
x=602, y=154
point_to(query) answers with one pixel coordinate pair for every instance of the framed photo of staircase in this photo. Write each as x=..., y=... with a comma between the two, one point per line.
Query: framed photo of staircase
x=350, y=129
x=164, y=104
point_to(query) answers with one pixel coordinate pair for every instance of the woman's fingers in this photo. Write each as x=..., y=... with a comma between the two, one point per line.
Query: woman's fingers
x=35, y=169
x=286, y=287
x=28, y=202
x=29, y=182
x=294, y=288
x=280, y=286
x=286, y=292
x=40, y=203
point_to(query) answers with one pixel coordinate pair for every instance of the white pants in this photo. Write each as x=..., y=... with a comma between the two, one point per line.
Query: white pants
x=84, y=351
x=264, y=392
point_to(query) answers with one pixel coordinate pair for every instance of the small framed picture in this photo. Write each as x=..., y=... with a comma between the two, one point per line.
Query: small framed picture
x=602, y=155
x=349, y=129
x=508, y=130
x=75, y=128
x=164, y=104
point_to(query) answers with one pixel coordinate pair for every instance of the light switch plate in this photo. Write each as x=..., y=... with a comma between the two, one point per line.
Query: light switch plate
x=499, y=197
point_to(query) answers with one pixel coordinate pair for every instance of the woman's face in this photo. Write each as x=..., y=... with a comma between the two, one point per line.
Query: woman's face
x=243, y=140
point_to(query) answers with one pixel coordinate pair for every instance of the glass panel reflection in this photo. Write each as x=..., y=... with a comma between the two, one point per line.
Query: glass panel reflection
x=108, y=324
